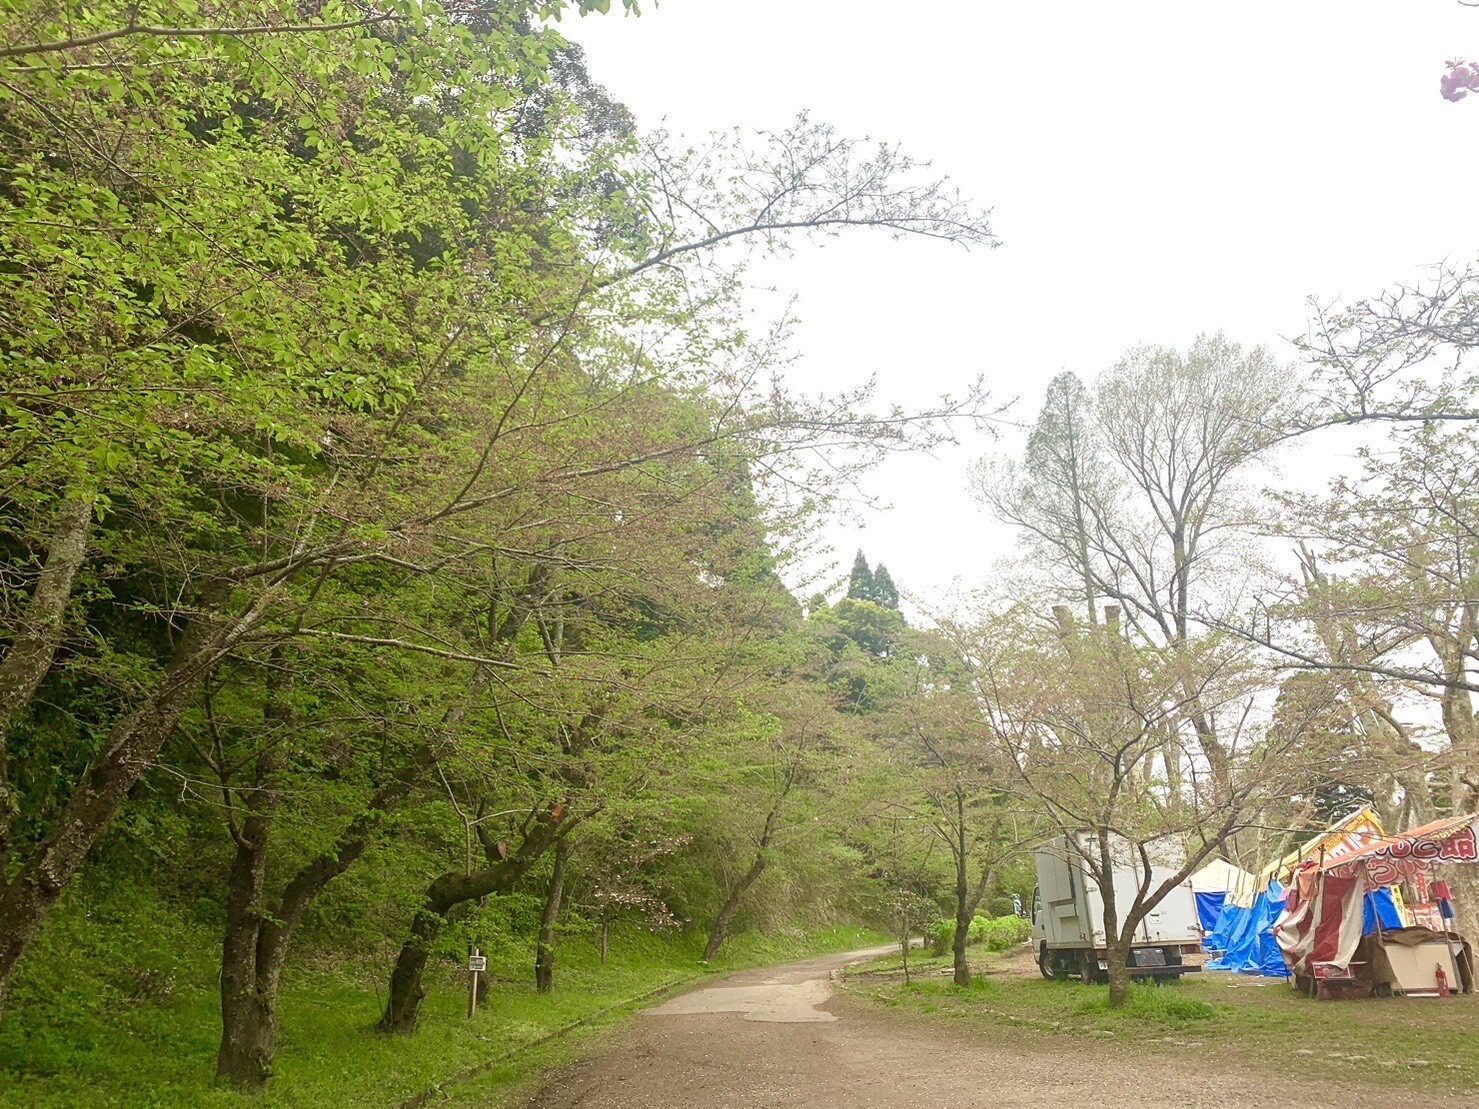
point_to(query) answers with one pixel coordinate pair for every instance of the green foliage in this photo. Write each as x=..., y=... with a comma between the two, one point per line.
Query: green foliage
x=1000, y=905
x=872, y=629
x=938, y=935
x=885, y=593
x=121, y=997
x=875, y=586
x=996, y=933
x=1155, y=1004
x=1003, y=932
x=427, y=510
x=860, y=579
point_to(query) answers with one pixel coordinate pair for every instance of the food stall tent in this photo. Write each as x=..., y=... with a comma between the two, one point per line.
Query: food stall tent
x=1323, y=932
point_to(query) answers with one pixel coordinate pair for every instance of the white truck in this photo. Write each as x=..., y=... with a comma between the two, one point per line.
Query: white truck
x=1068, y=917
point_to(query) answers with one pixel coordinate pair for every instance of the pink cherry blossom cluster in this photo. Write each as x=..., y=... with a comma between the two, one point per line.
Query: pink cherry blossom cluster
x=1460, y=80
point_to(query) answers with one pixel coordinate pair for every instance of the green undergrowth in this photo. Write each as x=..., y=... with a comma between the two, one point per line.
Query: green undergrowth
x=1150, y=1004
x=1221, y=1019
x=994, y=933
x=125, y=1012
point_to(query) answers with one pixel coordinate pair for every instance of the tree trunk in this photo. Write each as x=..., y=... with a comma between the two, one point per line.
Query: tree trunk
x=964, y=910
x=131, y=749
x=544, y=953
x=958, y=946
x=37, y=634
x=1119, y=980
x=39, y=629
x=248, y=1018
x=403, y=1006
x=1118, y=958
x=720, y=931
x=248, y=1012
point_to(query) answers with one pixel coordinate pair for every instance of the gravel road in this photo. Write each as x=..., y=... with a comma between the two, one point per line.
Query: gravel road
x=780, y=1037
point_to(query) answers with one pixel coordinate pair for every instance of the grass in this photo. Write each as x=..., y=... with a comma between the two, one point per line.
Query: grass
x=1225, y=1019
x=137, y=1023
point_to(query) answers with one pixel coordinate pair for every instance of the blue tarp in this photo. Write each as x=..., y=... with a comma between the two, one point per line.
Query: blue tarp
x=1246, y=936
x=1216, y=940
x=1232, y=929
x=1229, y=923
x=1209, y=910
x=1381, y=906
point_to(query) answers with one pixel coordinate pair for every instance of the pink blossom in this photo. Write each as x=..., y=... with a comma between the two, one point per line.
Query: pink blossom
x=1459, y=81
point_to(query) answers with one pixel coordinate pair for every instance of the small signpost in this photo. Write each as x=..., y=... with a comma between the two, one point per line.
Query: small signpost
x=477, y=964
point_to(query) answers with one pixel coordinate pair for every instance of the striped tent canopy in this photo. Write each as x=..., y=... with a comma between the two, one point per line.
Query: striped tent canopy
x=1393, y=858
x=1323, y=917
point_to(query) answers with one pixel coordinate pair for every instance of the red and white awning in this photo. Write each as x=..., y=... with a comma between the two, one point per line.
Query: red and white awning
x=1390, y=860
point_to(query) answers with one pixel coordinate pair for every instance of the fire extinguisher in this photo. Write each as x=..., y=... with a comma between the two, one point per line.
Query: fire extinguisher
x=1443, y=990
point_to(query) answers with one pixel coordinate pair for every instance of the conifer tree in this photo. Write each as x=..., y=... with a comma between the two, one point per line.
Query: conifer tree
x=885, y=593
x=860, y=582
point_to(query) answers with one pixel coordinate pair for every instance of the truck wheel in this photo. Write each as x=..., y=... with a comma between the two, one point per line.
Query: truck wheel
x=1045, y=962
x=1089, y=970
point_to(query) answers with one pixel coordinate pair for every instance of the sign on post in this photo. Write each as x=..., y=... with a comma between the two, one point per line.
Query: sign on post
x=477, y=963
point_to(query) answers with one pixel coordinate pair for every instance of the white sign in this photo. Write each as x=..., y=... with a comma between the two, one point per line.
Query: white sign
x=478, y=964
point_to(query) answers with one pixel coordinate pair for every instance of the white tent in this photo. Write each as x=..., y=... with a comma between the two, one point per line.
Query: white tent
x=1221, y=876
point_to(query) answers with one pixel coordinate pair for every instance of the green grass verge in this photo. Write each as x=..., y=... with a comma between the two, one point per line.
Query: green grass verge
x=142, y=1029
x=1227, y=1020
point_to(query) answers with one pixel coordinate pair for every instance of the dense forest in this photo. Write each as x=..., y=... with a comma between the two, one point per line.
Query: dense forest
x=400, y=517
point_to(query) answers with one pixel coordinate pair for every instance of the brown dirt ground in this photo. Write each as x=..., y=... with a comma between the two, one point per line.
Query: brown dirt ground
x=688, y=1056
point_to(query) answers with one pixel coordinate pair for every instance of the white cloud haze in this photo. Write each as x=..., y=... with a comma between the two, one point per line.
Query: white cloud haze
x=1158, y=168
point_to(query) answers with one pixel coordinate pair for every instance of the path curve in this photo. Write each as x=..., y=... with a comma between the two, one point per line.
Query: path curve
x=780, y=1038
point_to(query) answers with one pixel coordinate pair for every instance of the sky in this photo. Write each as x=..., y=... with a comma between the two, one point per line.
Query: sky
x=1157, y=169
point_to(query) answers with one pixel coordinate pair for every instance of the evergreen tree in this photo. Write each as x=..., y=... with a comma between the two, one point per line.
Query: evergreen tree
x=885, y=593
x=860, y=581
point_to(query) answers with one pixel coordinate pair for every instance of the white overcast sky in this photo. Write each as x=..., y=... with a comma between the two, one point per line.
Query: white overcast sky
x=1157, y=168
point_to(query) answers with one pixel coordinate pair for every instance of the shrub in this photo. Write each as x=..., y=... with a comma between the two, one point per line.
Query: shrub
x=1001, y=905
x=998, y=933
x=938, y=935
x=1002, y=932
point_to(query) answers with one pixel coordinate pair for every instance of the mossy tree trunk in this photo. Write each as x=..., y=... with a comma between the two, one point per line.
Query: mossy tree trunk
x=248, y=1018
x=545, y=827
x=544, y=952
x=37, y=634
x=257, y=941
x=719, y=932
x=131, y=747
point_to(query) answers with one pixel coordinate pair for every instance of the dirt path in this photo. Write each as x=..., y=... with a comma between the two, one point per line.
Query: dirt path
x=780, y=1037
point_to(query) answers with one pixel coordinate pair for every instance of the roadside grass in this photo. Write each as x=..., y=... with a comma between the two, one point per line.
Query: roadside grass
x=1238, y=1021
x=85, y=1034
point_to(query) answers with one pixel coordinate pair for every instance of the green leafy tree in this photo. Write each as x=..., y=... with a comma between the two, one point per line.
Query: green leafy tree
x=949, y=779
x=1077, y=719
x=309, y=327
